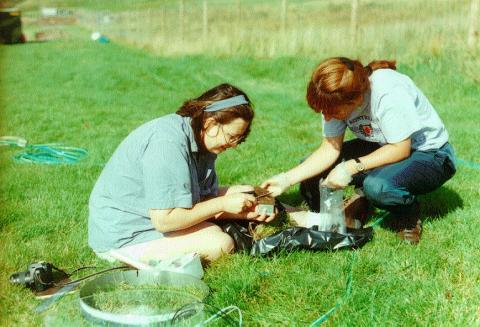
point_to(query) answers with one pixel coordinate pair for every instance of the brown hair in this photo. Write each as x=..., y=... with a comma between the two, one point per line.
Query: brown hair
x=195, y=108
x=338, y=81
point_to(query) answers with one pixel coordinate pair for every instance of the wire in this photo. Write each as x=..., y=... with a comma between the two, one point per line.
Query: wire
x=95, y=274
x=190, y=308
x=67, y=287
x=346, y=295
x=186, y=311
x=37, y=275
x=81, y=268
x=379, y=220
x=349, y=284
x=224, y=312
x=469, y=164
x=348, y=291
x=67, y=275
x=60, y=270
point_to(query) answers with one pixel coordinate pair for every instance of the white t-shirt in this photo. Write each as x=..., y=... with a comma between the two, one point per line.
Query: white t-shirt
x=394, y=110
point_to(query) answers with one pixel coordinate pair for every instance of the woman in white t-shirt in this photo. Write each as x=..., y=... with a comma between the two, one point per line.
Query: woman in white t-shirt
x=401, y=148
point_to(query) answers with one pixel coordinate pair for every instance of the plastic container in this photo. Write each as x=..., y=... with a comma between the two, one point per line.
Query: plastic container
x=332, y=215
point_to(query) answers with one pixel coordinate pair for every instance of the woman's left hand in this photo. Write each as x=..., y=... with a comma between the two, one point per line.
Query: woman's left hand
x=261, y=216
x=339, y=177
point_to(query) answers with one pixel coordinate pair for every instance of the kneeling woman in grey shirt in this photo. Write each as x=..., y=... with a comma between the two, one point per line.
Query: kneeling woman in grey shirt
x=159, y=188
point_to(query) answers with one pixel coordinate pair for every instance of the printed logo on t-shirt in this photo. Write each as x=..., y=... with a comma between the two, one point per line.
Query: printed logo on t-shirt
x=363, y=127
x=366, y=129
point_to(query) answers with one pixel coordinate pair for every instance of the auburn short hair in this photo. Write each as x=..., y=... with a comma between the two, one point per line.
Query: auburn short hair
x=339, y=81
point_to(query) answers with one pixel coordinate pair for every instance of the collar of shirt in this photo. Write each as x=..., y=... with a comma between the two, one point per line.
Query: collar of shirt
x=193, y=143
x=187, y=128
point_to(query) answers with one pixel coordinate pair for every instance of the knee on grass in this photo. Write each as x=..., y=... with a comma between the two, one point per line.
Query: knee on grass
x=215, y=243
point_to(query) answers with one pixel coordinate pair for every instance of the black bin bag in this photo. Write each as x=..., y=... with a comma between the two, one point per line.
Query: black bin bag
x=296, y=238
x=241, y=236
x=10, y=26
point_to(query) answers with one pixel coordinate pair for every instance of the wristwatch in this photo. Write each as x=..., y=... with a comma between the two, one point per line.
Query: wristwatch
x=359, y=166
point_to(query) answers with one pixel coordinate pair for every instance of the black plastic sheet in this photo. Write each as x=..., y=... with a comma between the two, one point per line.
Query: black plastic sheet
x=296, y=238
x=241, y=236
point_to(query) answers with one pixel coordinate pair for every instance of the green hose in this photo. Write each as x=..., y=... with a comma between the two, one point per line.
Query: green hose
x=50, y=154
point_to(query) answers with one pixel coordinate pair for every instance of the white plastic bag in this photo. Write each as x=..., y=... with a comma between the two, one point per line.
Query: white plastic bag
x=332, y=216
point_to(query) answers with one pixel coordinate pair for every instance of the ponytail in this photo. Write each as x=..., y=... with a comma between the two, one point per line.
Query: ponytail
x=380, y=64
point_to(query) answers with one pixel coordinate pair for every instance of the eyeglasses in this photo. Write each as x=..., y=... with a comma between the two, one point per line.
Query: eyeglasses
x=230, y=139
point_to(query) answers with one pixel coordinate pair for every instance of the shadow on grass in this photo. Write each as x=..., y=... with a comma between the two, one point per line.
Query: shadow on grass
x=433, y=206
x=439, y=203
x=292, y=198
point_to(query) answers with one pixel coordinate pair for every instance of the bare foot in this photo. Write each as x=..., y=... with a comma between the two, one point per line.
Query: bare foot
x=299, y=217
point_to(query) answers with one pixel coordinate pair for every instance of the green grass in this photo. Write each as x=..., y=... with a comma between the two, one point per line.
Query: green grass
x=91, y=95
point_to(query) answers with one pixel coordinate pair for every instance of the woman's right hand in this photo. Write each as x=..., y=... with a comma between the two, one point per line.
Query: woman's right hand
x=277, y=184
x=238, y=202
x=239, y=189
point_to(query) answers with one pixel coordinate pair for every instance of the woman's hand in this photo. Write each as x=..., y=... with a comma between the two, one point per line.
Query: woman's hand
x=238, y=202
x=239, y=189
x=260, y=216
x=339, y=177
x=277, y=184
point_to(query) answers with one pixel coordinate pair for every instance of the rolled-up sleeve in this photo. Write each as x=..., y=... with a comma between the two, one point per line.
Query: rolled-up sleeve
x=166, y=174
x=333, y=127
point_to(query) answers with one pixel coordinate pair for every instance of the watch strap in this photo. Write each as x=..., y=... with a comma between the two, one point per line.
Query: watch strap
x=359, y=166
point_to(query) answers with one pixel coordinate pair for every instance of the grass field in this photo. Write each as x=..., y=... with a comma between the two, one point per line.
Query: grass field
x=393, y=28
x=91, y=95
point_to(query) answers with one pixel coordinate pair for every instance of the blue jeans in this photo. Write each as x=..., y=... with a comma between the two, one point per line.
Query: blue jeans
x=392, y=187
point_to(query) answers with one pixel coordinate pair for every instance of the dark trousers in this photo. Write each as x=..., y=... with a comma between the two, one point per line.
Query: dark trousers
x=392, y=187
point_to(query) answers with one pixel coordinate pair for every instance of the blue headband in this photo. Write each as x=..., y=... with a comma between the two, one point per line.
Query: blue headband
x=226, y=103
